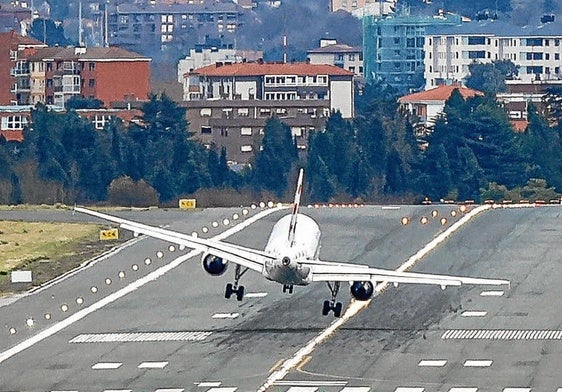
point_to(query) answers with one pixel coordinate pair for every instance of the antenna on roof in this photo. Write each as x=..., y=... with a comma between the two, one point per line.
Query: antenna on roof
x=80, y=41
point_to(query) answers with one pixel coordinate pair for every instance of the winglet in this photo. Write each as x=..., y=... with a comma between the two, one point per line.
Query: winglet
x=296, y=204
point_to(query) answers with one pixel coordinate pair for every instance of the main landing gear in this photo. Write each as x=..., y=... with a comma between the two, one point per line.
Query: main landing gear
x=332, y=304
x=234, y=288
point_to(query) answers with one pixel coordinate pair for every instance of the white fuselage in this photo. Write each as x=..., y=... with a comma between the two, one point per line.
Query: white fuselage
x=287, y=267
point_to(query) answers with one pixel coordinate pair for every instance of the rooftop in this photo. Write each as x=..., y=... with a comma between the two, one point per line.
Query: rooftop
x=440, y=93
x=262, y=69
x=84, y=54
x=498, y=28
x=337, y=48
x=13, y=37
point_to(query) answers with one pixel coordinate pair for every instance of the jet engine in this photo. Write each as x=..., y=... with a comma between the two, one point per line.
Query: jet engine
x=362, y=291
x=214, y=265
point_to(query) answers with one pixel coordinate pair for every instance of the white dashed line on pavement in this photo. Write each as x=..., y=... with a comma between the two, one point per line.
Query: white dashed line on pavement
x=107, y=365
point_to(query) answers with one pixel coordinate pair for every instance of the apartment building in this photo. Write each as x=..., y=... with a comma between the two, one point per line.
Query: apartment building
x=340, y=55
x=156, y=24
x=393, y=47
x=14, y=84
x=54, y=75
x=450, y=50
x=229, y=104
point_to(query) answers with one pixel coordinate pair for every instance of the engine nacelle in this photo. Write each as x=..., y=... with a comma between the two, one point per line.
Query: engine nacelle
x=214, y=265
x=362, y=291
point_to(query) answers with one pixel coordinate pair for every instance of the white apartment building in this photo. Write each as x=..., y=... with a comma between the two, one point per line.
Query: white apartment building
x=340, y=55
x=449, y=50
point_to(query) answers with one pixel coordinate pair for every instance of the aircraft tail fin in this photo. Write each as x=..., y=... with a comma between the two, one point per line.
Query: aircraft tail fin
x=296, y=203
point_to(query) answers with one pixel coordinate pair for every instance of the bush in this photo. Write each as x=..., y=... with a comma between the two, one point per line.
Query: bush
x=125, y=191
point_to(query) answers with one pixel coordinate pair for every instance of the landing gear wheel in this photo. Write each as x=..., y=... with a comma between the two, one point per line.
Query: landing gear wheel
x=229, y=291
x=240, y=293
x=288, y=288
x=326, y=308
x=337, y=309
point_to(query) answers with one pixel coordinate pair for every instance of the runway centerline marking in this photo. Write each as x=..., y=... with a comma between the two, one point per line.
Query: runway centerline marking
x=209, y=384
x=355, y=307
x=225, y=315
x=492, y=293
x=152, y=276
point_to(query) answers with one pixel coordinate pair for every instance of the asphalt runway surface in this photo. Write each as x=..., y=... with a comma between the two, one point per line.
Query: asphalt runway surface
x=135, y=321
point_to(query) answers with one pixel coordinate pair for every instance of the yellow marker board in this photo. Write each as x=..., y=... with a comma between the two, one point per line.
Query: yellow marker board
x=111, y=234
x=187, y=203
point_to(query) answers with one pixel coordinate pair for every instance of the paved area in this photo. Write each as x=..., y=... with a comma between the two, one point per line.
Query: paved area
x=148, y=318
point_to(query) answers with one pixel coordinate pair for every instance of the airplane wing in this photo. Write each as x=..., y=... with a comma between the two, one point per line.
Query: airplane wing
x=325, y=271
x=247, y=257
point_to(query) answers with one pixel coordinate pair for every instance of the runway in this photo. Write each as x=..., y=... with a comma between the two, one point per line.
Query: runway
x=157, y=322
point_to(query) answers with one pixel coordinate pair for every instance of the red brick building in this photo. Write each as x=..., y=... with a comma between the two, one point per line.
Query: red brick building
x=35, y=73
x=13, y=70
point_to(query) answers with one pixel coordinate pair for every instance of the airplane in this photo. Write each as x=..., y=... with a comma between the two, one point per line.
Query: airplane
x=291, y=258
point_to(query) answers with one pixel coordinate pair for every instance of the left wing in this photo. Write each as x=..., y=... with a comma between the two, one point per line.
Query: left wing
x=323, y=271
x=247, y=257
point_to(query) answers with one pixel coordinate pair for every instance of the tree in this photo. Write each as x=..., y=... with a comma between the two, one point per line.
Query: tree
x=275, y=161
x=491, y=77
x=50, y=32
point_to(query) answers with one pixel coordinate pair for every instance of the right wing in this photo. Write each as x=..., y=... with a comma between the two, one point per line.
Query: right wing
x=247, y=257
x=324, y=271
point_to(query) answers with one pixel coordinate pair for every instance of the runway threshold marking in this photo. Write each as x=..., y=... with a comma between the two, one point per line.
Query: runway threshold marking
x=170, y=390
x=152, y=276
x=182, y=336
x=302, y=389
x=355, y=307
x=516, y=389
x=501, y=334
x=356, y=389
x=409, y=389
x=223, y=389
x=463, y=389
x=311, y=383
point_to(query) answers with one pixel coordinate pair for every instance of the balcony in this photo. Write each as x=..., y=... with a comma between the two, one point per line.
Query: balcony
x=19, y=72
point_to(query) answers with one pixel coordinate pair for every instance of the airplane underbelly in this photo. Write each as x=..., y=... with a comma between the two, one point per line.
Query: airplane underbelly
x=287, y=275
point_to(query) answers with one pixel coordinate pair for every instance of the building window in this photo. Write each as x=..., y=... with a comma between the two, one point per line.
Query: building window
x=243, y=112
x=224, y=132
x=92, y=82
x=13, y=123
x=206, y=130
x=100, y=120
x=246, y=131
x=477, y=40
x=246, y=148
x=91, y=66
x=534, y=41
x=205, y=112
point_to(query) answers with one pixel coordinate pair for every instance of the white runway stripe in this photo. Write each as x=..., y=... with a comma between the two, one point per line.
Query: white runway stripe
x=478, y=363
x=515, y=389
x=170, y=390
x=474, y=313
x=141, y=337
x=356, y=389
x=409, y=389
x=317, y=383
x=432, y=362
x=463, y=389
x=225, y=315
x=492, y=293
x=107, y=365
x=223, y=389
x=255, y=295
x=501, y=334
x=302, y=389
x=209, y=384
x=153, y=365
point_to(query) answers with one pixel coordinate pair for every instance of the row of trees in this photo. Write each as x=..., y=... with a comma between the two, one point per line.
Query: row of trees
x=473, y=152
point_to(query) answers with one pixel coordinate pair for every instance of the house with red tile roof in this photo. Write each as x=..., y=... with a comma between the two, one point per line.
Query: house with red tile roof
x=428, y=105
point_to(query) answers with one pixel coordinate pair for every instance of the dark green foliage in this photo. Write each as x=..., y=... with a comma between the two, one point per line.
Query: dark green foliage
x=472, y=145
x=50, y=32
x=491, y=77
x=77, y=102
x=276, y=160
